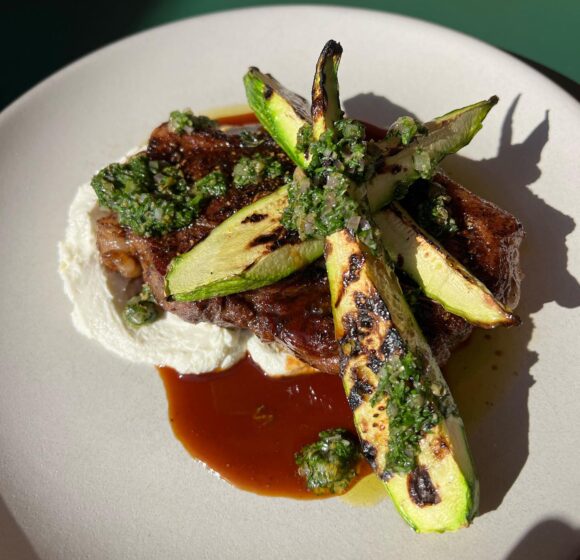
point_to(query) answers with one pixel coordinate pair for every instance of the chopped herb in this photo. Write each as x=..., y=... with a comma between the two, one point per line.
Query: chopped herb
x=274, y=169
x=152, y=197
x=344, y=150
x=141, y=309
x=186, y=121
x=252, y=170
x=304, y=138
x=405, y=129
x=248, y=171
x=422, y=163
x=251, y=139
x=350, y=130
x=326, y=198
x=434, y=214
x=214, y=184
x=319, y=211
x=412, y=406
x=330, y=464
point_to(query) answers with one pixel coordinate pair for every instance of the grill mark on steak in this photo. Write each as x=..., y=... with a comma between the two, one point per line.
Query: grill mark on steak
x=297, y=311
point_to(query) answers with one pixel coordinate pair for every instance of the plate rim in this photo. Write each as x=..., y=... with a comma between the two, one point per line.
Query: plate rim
x=40, y=88
x=87, y=58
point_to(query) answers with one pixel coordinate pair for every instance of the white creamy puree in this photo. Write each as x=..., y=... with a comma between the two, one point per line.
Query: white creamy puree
x=98, y=297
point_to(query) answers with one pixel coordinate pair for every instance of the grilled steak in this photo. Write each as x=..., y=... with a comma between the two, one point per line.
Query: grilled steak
x=487, y=244
x=296, y=311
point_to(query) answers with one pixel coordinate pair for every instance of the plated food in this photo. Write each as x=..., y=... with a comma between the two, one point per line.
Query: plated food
x=229, y=227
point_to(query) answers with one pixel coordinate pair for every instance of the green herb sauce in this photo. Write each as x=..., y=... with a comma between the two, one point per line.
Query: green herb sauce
x=326, y=198
x=413, y=409
x=153, y=198
x=404, y=130
x=141, y=309
x=434, y=214
x=214, y=184
x=253, y=170
x=185, y=121
x=304, y=138
x=251, y=138
x=330, y=464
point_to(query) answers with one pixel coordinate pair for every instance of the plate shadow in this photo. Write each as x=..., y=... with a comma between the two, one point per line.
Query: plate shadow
x=13, y=541
x=552, y=538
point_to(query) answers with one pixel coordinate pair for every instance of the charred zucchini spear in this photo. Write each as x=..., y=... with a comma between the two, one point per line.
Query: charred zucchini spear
x=405, y=416
x=245, y=252
x=406, y=419
x=440, y=276
x=325, y=96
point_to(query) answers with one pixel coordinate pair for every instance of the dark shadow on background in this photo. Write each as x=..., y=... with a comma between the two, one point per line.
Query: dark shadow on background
x=374, y=109
x=552, y=538
x=39, y=38
x=14, y=544
x=505, y=179
x=490, y=377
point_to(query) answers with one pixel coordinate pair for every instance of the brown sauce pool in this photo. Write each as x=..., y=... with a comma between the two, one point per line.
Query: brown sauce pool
x=238, y=120
x=247, y=426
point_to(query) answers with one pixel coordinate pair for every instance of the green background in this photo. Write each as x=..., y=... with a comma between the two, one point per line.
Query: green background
x=39, y=37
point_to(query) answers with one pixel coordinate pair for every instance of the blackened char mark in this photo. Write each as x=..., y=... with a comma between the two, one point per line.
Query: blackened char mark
x=374, y=362
x=360, y=388
x=354, y=399
x=371, y=304
x=369, y=453
x=440, y=448
x=421, y=488
x=268, y=238
x=366, y=313
x=352, y=333
x=319, y=104
x=319, y=97
x=392, y=343
x=254, y=218
x=355, y=264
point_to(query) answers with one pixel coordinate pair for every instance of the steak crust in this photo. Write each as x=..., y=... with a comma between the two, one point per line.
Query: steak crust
x=296, y=311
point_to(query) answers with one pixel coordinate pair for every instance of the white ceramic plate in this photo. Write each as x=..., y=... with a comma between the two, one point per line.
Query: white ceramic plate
x=89, y=467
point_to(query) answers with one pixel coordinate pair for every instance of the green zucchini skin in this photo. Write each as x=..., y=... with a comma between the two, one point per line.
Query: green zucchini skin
x=280, y=111
x=325, y=94
x=374, y=326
